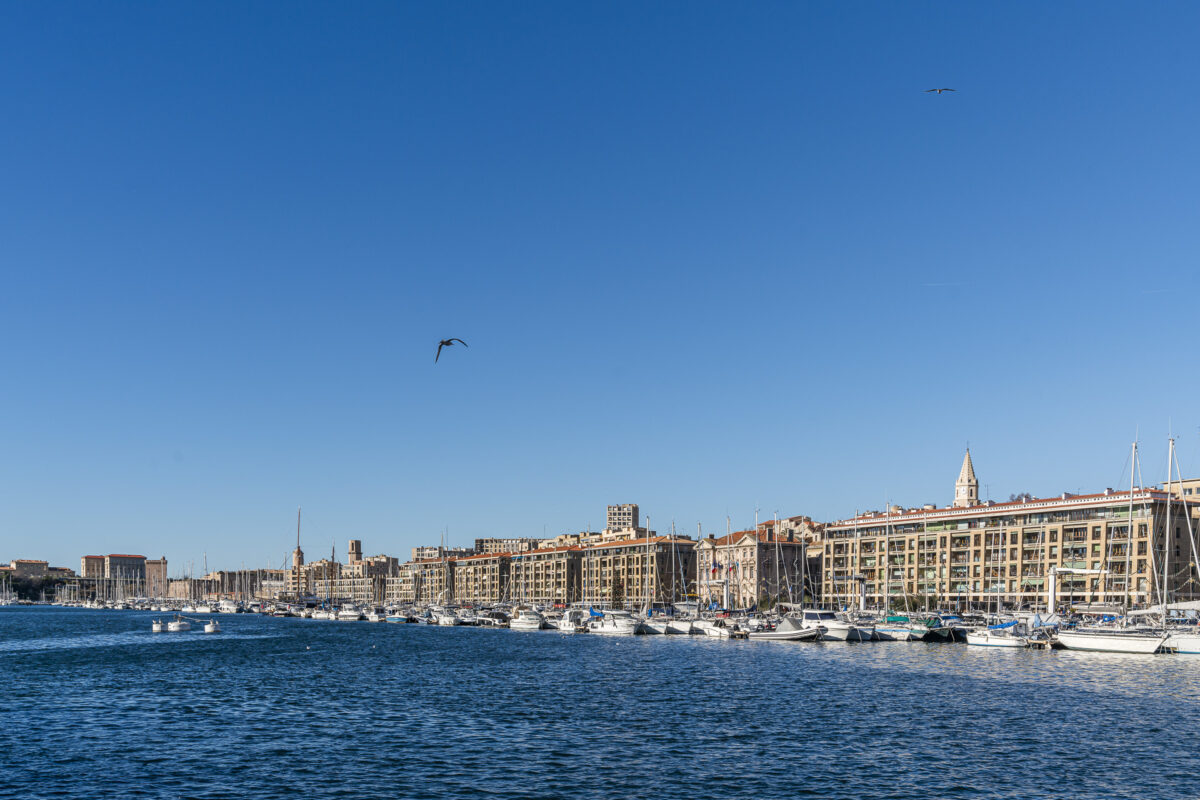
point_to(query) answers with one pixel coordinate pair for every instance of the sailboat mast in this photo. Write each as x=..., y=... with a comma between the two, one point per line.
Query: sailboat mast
x=1128, y=534
x=1167, y=531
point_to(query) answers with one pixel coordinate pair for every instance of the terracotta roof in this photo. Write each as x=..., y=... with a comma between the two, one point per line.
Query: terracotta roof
x=122, y=555
x=633, y=542
x=764, y=537
x=561, y=549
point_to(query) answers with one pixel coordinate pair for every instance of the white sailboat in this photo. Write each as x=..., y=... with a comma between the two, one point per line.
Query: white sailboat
x=1113, y=639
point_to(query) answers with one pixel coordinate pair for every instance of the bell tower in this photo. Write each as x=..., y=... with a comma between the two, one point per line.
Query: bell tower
x=966, y=488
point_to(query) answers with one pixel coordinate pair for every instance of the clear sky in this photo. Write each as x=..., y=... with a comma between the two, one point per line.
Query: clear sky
x=708, y=257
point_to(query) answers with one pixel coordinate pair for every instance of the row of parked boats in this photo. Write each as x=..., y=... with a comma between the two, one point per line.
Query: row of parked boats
x=1139, y=632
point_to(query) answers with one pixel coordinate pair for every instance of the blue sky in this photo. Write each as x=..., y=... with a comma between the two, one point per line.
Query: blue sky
x=707, y=257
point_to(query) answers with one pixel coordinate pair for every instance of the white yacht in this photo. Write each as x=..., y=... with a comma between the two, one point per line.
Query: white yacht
x=227, y=607
x=573, y=620
x=836, y=626
x=680, y=625
x=615, y=623
x=348, y=613
x=527, y=620
x=723, y=629
x=447, y=618
x=655, y=625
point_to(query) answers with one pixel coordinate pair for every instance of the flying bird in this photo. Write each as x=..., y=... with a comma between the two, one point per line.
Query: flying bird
x=939, y=91
x=447, y=343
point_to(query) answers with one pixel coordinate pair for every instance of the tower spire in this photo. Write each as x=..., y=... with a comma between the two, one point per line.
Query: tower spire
x=966, y=488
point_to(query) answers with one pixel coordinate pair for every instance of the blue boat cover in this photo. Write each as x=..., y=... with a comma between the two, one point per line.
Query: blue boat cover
x=1002, y=625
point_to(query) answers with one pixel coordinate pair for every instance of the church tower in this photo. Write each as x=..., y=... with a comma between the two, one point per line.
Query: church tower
x=298, y=554
x=966, y=488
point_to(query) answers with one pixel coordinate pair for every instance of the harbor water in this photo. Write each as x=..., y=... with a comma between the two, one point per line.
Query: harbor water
x=95, y=705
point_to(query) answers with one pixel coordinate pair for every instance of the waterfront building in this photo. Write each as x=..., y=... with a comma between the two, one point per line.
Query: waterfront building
x=482, y=578
x=758, y=566
x=246, y=584
x=420, y=582
x=156, y=577
x=549, y=575
x=36, y=568
x=634, y=573
x=1108, y=548
x=428, y=552
x=513, y=545
x=191, y=588
x=91, y=567
x=125, y=567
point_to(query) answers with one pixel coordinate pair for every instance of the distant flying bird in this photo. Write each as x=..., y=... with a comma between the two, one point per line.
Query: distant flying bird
x=447, y=343
x=939, y=91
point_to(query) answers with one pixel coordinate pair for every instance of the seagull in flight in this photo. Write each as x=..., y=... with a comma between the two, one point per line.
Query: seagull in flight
x=939, y=91
x=447, y=343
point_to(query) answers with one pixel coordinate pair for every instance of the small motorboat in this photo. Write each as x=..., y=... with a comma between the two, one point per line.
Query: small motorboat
x=721, y=629
x=788, y=629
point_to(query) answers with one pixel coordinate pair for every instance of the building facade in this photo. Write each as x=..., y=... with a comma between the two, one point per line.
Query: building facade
x=623, y=516
x=482, y=579
x=547, y=576
x=1113, y=548
x=747, y=568
x=516, y=545
x=634, y=573
x=125, y=567
x=156, y=577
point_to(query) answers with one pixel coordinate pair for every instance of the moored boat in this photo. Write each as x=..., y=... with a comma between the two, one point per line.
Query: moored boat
x=1114, y=640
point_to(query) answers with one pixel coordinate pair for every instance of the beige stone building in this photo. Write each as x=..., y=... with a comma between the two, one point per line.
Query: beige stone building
x=91, y=567
x=758, y=567
x=430, y=580
x=156, y=577
x=1107, y=548
x=549, y=575
x=481, y=579
x=429, y=552
x=125, y=567
x=623, y=517
x=513, y=545
x=632, y=573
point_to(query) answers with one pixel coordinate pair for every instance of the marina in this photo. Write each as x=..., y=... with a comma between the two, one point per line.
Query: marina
x=417, y=708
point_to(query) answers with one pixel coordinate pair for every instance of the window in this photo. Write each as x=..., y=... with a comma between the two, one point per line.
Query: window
x=1054, y=536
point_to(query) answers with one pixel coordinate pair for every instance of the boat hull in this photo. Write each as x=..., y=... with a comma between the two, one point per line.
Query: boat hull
x=1142, y=644
x=985, y=639
x=1185, y=644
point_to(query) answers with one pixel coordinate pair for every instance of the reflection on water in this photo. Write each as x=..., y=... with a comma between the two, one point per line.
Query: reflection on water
x=286, y=708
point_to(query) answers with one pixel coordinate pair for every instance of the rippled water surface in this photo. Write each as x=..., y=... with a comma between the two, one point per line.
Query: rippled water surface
x=94, y=705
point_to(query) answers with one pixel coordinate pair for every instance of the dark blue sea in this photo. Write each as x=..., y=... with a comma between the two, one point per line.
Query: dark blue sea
x=95, y=706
